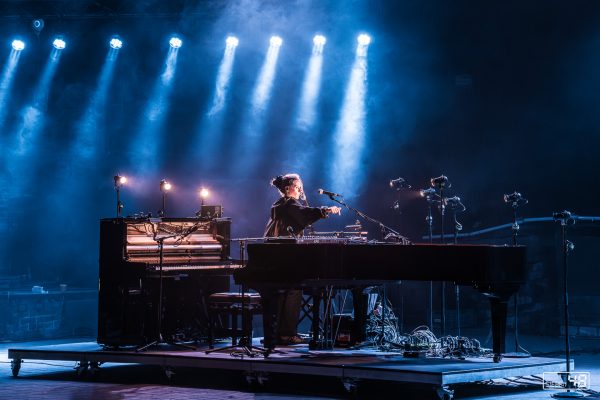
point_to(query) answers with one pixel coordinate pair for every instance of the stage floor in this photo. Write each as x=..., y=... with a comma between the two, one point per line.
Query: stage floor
x=350, y=366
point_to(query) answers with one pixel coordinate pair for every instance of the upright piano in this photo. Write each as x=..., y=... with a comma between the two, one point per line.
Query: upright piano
x=496, y=271
x=195, y=263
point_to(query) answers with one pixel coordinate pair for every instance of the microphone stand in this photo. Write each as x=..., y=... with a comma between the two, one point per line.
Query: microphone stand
x=519, y=352
x=384, y=229
x=159, y=317
x=429, y=221
x=567, y=246
x=457, y=227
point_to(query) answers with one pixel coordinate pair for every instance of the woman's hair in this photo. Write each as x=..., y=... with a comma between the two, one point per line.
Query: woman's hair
x=281, y=181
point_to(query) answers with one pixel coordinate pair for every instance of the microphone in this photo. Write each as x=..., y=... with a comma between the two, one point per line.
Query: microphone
x=427, y=192
x=440, y=182
x=399, y=183
x=513, y=197
x=562, y=215
x=330, y=194
x=291, y=231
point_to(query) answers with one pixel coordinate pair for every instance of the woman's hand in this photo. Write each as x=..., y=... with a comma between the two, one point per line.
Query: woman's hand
x=334, y=210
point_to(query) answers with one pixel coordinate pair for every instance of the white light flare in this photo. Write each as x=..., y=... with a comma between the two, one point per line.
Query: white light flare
x=59, y=44
x=18, y=45
x=175, y=42
x=318, y=44
x=363, y=45
x=115, y=43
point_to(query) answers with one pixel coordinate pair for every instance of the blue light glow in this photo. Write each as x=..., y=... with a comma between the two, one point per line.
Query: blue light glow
x=262, y=90
x=146, y=143
x=90, y=130
x=310, y=89
x=346, y=176
x=6, y=82
x=224, y=76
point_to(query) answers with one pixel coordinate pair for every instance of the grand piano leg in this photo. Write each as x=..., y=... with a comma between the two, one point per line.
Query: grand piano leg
x=269, y=305
x=316, y=318
x=499, y=306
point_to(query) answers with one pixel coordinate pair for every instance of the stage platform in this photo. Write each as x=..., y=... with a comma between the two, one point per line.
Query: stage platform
x=350, y=366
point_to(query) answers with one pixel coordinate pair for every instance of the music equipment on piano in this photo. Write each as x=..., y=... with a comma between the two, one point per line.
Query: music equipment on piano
x=196, y=263
x=496, y=271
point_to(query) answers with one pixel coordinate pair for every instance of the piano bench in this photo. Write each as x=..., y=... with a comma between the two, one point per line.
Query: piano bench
x=226, y=307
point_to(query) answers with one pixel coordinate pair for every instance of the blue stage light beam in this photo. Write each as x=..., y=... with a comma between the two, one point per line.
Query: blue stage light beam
x=254, y=121
x=6, y=82
x=33, y=115
x=223, y=76
x=262, y=90
x=345, y=172
x=311, y=86
x=144, y=147
x=89, y=129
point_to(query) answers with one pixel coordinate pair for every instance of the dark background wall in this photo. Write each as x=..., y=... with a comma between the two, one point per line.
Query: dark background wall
x=497, y=95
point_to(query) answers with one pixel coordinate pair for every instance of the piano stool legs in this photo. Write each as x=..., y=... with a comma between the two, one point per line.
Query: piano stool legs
x=228, y=306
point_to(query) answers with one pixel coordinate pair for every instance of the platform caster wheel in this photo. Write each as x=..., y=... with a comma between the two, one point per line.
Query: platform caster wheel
x=93, y=368
x=169, y=373
x=444, y=393
x=497, y=358
x=82, y=368
x=350, y=385
x=15, y=366
x=256, y=380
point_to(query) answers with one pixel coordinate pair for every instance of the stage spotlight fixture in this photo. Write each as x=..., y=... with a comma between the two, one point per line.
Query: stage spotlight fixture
x=37, y=25
x=276, y=41
x=232, y=41
x=119, y=182
x=115, y=43
x=165, y=186
x=59, y=44
x=18, y=45
x=319, y=40
x=364, y=39
x=204, y=193
x=175, y=42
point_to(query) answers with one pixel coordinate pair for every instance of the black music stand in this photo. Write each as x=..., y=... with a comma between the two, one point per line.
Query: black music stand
x=159, y=337
x=244, y=343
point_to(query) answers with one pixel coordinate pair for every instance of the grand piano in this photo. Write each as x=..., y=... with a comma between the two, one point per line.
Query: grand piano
x=495, y=271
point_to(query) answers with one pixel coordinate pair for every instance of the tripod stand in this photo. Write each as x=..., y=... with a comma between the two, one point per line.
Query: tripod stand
x=516, y=200
x=159, y=317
